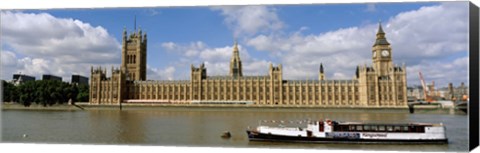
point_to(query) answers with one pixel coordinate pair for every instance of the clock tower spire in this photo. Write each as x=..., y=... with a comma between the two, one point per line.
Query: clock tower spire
x=381, y=53
x=381, y=39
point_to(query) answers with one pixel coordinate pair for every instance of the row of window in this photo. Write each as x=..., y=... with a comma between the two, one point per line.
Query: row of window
x=131, y=59
x=246, y=89
x=291, y=102
x=389, y=88
x=285, y=95
x=246, y=97
x=373, y=78
x=379, y=128
x=385, y=97
x=106, y=88
x=114, y=95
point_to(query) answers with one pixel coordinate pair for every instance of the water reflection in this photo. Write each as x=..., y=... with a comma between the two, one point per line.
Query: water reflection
x=115, y=126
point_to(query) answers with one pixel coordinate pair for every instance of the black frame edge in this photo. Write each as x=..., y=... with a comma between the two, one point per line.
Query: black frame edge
x=474, y=76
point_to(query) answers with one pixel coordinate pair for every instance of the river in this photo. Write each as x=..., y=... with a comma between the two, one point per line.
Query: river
x=203, y=126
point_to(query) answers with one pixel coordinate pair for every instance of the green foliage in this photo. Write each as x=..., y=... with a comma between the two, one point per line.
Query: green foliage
x=83, y=93
x=44, y=92
x=9, y=91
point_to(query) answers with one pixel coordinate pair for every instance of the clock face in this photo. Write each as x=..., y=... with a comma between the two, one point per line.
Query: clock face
x=374, y=54
x=385, y=53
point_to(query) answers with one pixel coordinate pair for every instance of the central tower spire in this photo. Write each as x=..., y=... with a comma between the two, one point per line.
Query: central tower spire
x=321, y=75
x=235, y=62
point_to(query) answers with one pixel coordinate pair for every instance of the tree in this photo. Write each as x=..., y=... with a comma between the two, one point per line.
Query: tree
x=83, y=93
x=24, y=100
x=9, y=92
x=45, y=92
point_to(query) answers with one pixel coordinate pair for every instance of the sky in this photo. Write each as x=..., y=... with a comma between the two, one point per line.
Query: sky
x=430, y=37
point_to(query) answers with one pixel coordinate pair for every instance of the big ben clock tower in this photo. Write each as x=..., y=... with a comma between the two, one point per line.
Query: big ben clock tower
x=381, y=53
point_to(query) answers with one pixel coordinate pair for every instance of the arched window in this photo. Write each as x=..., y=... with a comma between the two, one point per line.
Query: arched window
x=134, y=59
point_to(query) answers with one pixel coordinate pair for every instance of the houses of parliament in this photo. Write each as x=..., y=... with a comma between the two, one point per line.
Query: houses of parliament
x=381, y=84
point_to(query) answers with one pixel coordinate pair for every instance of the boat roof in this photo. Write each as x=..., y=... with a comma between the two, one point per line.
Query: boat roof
x=393, y=124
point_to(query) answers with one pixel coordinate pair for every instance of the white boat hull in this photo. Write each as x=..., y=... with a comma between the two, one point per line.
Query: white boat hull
x=431, y=133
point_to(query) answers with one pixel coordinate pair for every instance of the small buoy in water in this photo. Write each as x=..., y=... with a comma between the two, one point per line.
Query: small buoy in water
x=25, y=135
x=226, y=134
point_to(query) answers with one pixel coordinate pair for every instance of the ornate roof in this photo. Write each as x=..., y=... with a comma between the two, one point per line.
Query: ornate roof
x=381, y=39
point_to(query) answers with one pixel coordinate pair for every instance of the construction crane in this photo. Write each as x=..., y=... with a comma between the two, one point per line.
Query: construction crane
x=426, y=91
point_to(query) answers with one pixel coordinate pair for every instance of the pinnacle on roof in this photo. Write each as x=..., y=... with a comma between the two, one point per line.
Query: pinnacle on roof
x=321, y=67
x=380, y=29
x=236, y=54
x=235, y=45
x=381, y=39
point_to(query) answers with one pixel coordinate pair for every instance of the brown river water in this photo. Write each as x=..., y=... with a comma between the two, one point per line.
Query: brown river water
x=204, y=126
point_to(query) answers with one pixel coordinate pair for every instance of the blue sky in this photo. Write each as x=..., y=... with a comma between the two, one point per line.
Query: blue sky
x=300, y=37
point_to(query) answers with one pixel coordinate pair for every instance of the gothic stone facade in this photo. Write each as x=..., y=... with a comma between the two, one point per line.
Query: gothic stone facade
x=380, y=85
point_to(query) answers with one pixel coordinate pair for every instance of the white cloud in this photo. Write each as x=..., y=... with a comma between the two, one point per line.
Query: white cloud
x=430, y=32
x=426, y=35
x=441, y=72
x=216, y=54
x=216, y=59
x=250, y=20
x=38, y=66
x=189, y=50
x=340, y=51
x=169, y=46
x=8, y=59
x=44, y=44
x=167, y=73
x=256, y=67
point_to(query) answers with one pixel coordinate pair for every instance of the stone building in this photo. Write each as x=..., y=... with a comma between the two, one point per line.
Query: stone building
x=416, y=92
x=455, y=93
x=382, y=84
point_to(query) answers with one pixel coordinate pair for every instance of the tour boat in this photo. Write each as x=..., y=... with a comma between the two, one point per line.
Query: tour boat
x=352, y=132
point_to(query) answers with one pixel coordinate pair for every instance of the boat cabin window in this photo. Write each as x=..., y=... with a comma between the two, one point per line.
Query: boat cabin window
x=411, y=128
x=381, y=128
x=389, y=128
x=420, y=129
x=396, y=128
x=366, y=127
x=359, y=128
x=351, y=128
x=414, y=128
x=374, y=128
